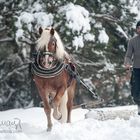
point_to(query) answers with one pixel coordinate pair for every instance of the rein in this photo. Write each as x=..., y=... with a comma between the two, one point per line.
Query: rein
x=75, y=74
x=40, y=71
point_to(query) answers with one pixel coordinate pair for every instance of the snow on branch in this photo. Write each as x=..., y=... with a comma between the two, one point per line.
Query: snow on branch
x=112, y=21
x=106, y=17
x=8, y=39
x=89, y=63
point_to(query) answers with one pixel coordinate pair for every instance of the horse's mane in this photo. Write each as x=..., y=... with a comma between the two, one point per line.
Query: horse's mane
x=44, y=40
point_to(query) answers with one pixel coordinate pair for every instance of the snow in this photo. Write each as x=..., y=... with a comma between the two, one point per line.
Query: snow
x=98, y=25
x=123, y=1
x=26, y=19
x=19, y=34
x=79, y=21
x=89, y=83
x=30, y=124
x=79, y=24
x=108, y=65
x=89, y=37
x=134, y=8
x=36, y=7
x=122, y=47
x=103, y=37
x=43, y=19
x=78, y=42
x=121, y=31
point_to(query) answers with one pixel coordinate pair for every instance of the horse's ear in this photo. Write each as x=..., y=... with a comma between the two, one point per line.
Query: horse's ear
x=52, y=31
x=40, y=30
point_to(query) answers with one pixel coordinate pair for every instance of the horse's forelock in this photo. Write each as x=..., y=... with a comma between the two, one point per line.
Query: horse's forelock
x=44, y=40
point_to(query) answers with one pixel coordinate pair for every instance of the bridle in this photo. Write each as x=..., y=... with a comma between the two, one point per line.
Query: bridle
x=48, y=53
x=42, y=54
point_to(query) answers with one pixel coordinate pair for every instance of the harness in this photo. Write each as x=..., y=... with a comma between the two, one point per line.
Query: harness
x=40, y=71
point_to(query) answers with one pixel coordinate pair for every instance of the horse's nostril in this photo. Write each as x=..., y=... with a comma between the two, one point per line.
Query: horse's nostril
x=49, y=62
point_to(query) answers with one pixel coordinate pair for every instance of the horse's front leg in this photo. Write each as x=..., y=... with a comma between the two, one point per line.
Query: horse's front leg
x=47, y=107
x=47, y=110
x=56, y=103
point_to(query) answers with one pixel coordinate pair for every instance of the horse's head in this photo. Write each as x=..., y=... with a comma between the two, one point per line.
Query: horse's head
x=50, y=45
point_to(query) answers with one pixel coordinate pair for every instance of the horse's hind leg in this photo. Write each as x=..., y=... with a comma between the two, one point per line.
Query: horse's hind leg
x=71, y=92
x=69, y=106
x=63, y=107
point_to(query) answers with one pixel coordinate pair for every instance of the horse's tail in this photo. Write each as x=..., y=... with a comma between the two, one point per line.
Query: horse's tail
x=63, y=107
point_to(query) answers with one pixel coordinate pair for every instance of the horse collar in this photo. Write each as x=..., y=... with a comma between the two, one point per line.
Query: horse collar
x=40, y=71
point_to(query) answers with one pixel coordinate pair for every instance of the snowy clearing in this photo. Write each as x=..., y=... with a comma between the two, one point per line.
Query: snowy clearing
x=30, y=124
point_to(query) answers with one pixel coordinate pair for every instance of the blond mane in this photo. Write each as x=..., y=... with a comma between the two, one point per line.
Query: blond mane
x=44, y=40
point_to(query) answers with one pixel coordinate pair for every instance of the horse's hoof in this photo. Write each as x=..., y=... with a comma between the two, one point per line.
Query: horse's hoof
x=57, y=116
x=60, y=117
x=49, y=129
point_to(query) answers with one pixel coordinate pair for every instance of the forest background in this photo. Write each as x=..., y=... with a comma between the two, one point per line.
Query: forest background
x=95, y=32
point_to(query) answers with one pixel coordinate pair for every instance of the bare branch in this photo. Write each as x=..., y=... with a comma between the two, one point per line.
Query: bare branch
x=10, y=94
x=22, y=67
x=106, y=17
x=2, y=29
x=27, y=41
x=2, y=62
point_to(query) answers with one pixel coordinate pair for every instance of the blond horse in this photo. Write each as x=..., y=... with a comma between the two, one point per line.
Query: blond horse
x=57, y=91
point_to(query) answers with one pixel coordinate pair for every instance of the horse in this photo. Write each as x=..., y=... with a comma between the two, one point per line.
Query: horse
x=56, y=91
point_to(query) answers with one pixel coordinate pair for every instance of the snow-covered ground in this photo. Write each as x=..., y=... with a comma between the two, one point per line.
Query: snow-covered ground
x=30, y=124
